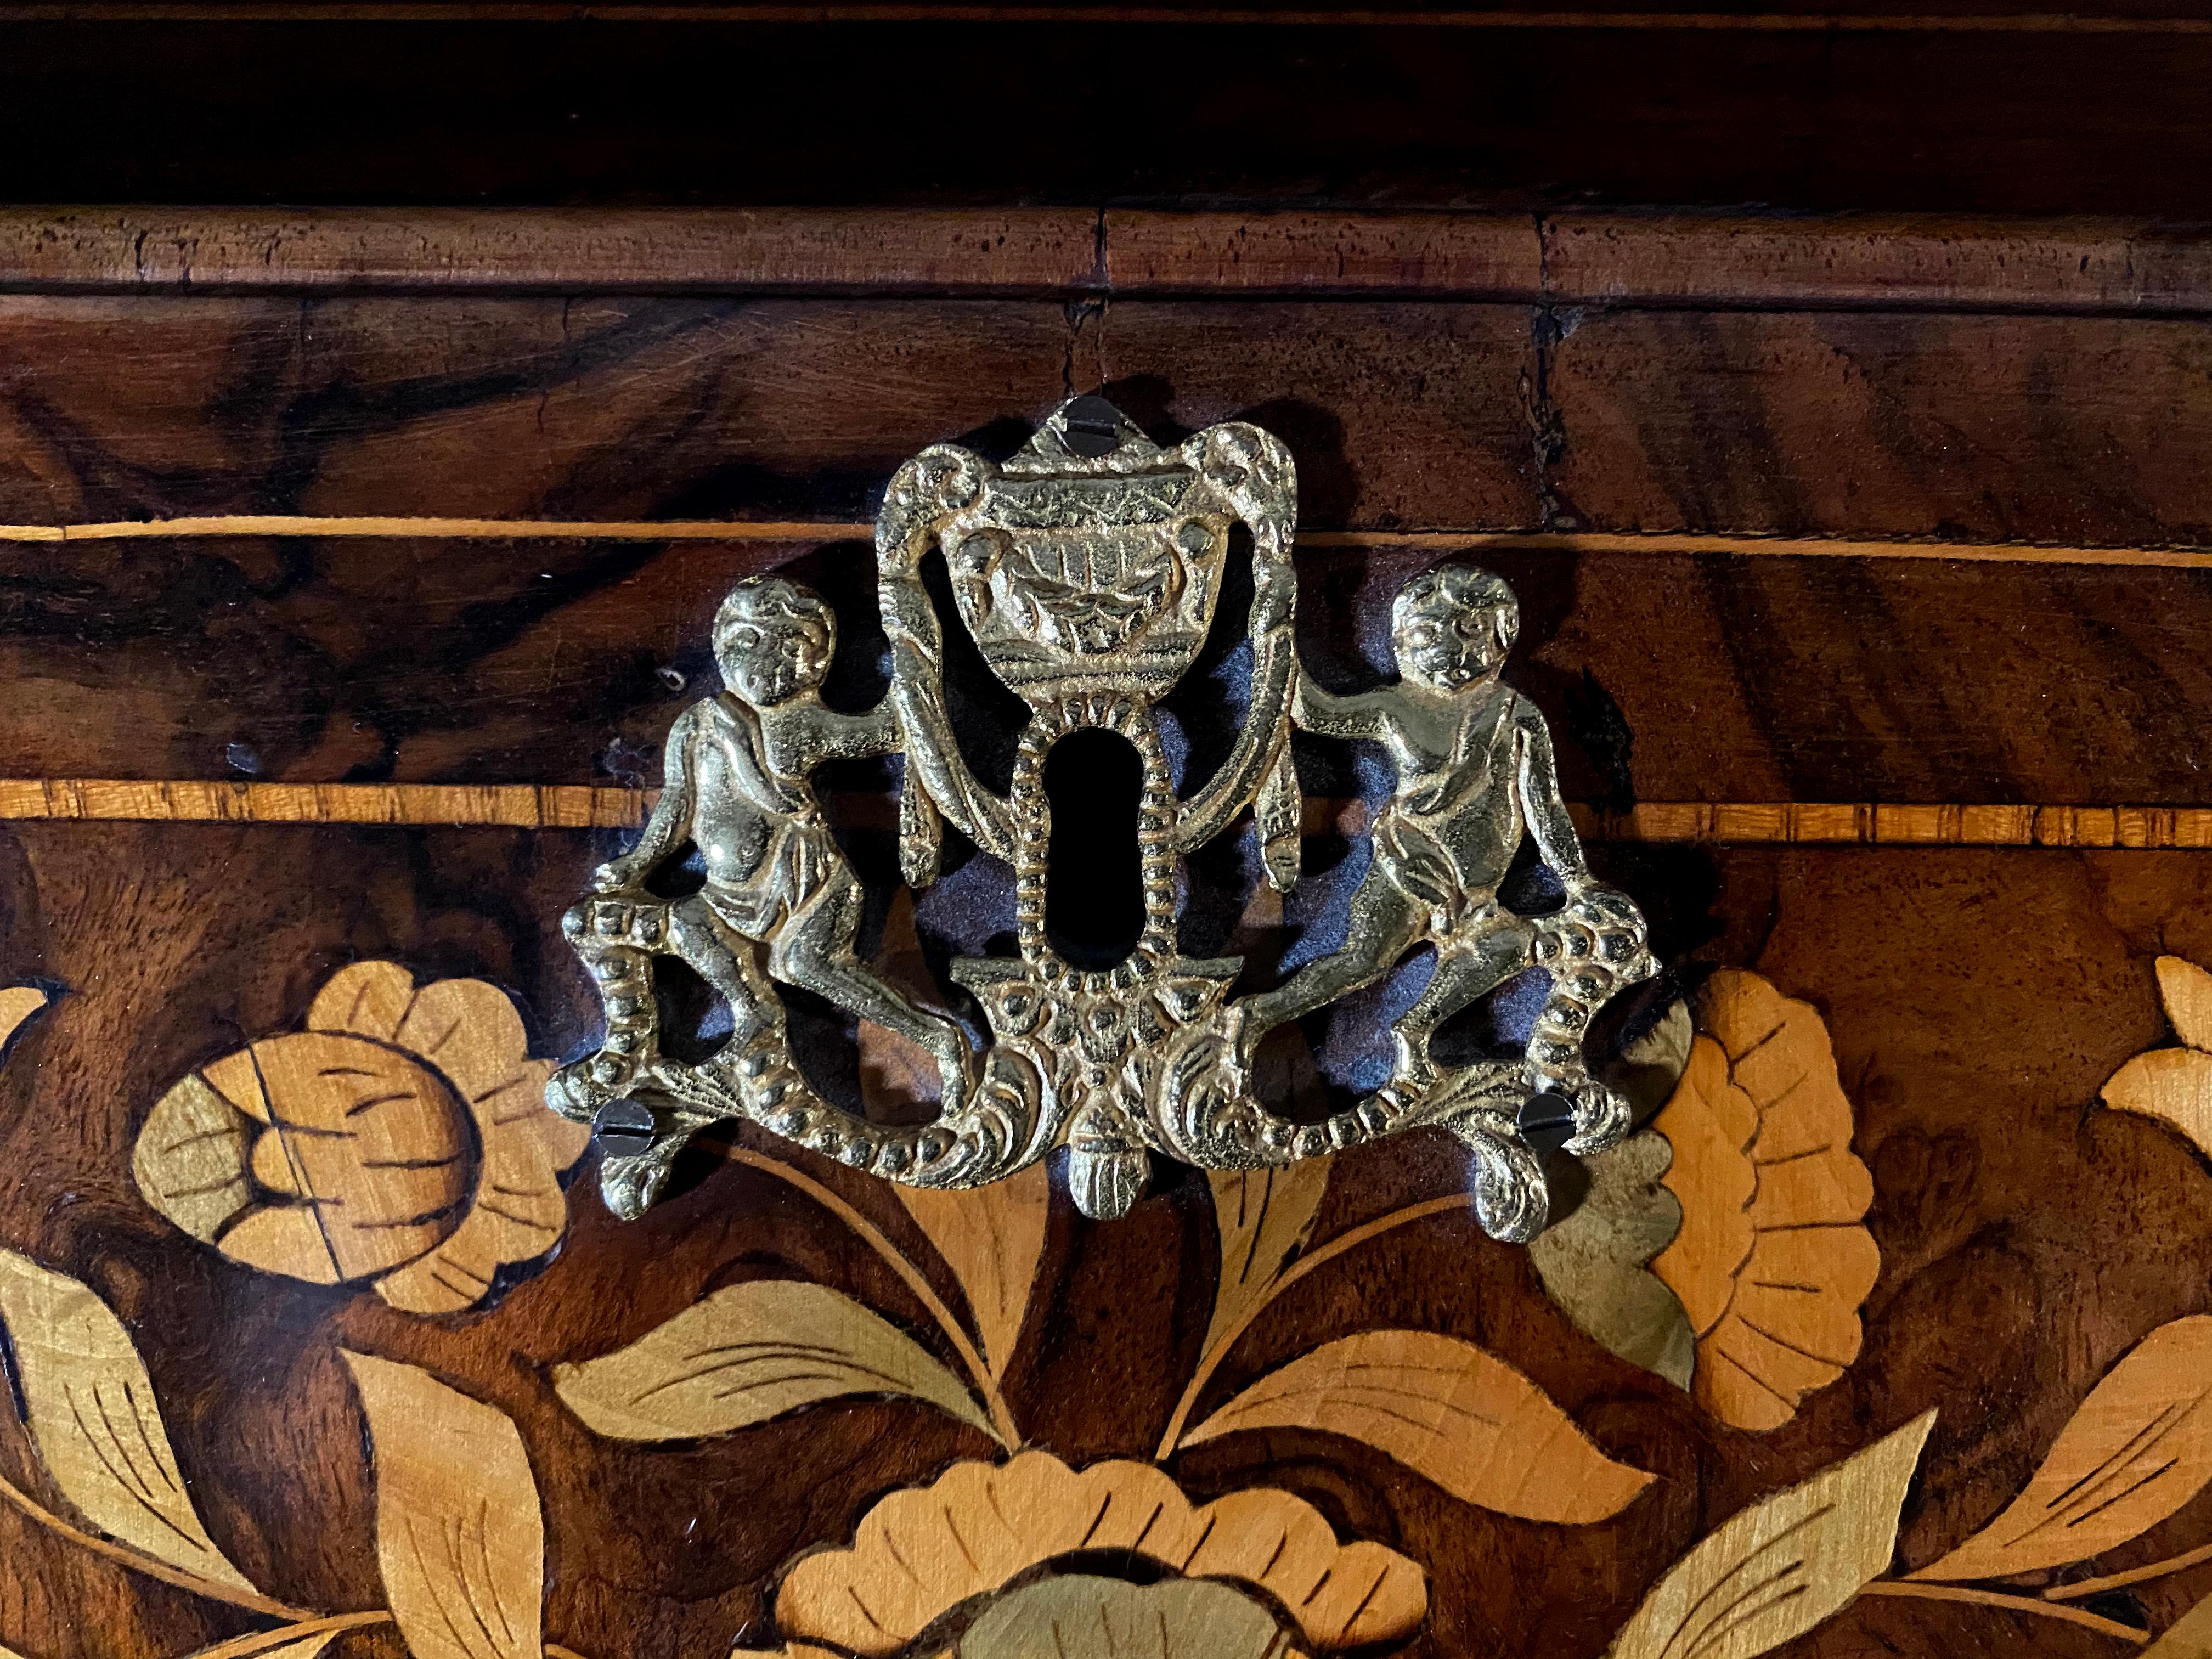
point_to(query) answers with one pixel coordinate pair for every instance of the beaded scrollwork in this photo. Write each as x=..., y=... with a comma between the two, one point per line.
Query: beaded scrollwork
x=1088, y=569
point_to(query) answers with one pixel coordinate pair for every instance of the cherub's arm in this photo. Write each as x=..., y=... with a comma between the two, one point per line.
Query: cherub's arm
x=671, y=814
x=832, y=736
x=1537, y=778
x=1364, y=714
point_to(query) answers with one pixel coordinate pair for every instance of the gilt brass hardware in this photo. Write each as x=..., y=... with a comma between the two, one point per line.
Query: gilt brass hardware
x=1087, y=569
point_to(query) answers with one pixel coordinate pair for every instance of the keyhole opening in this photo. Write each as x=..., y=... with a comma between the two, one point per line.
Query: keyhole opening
x=1094, y=894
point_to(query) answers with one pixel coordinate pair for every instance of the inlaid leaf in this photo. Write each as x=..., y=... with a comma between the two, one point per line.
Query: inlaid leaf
x=2137, y=1449
x=2174, y=1085
x=1464, y=1418
x=1593, y=1262
x=2171, y=1085
x=992, y=1238
x=2190, y=1636
x=1782, y=1566
x=751, y=1353
x=2186, y=991
x=92, y=1414
x=460, y=1537
x=1078, y=1616
x=1264, y=1218
x=17, y=1004
x=1648, y=1069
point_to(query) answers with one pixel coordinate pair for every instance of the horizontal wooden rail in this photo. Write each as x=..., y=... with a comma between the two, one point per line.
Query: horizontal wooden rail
x=1710, y=259
x=581, y=806
x=820, y=530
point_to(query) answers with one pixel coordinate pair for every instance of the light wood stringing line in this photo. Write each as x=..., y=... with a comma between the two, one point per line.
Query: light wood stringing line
x=522, y=806
x=584, y=806
x=740, y=530
x=1881, y=823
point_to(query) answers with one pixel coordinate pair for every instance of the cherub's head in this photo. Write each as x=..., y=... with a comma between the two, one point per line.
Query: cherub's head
x=773, y=639
x=1452, y=626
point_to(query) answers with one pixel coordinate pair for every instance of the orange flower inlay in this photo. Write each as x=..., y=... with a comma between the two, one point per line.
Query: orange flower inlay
x=1773, y=1258
x=922, y=1552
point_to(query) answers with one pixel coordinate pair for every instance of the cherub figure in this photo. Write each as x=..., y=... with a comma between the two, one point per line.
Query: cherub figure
x=735, y=785
x=1474, y=770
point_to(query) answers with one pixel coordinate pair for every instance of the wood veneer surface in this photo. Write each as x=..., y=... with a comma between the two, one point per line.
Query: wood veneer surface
x=1876, y=390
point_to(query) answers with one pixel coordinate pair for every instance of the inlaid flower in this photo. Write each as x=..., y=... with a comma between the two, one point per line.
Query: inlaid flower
x=402, y=1140
x=1253, y=1575
x=1774, y=1257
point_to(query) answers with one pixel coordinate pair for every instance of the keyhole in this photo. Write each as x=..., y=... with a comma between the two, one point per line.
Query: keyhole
x=1094, y=894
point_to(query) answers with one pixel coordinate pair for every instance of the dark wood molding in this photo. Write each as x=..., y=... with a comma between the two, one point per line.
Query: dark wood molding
x=1616, y=260
x=1935, y=109
x=125, y=250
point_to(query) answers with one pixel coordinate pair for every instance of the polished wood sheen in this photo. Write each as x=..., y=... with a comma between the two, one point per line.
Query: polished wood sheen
x=356, y=561
x=1967, y=1227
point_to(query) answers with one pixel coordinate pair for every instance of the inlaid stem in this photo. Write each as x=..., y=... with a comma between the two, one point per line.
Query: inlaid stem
x=2132, y=1576
x=1305, y=1264
x=1982, y=1598
x=146, y=1564
x=994, y=1401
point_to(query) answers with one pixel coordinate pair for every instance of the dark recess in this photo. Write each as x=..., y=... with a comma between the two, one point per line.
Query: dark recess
x=1094, y=895
x=591, y=111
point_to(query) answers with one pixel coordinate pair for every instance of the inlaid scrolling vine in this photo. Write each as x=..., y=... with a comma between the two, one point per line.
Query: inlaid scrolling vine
x=994, y=1553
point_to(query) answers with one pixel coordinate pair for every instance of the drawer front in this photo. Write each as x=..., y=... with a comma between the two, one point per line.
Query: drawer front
x=345, y=612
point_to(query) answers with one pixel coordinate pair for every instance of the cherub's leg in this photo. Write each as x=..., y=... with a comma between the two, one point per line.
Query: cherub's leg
x=1466, y=972
x=712, y=947
x=814, y=950
x=1384, y=924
